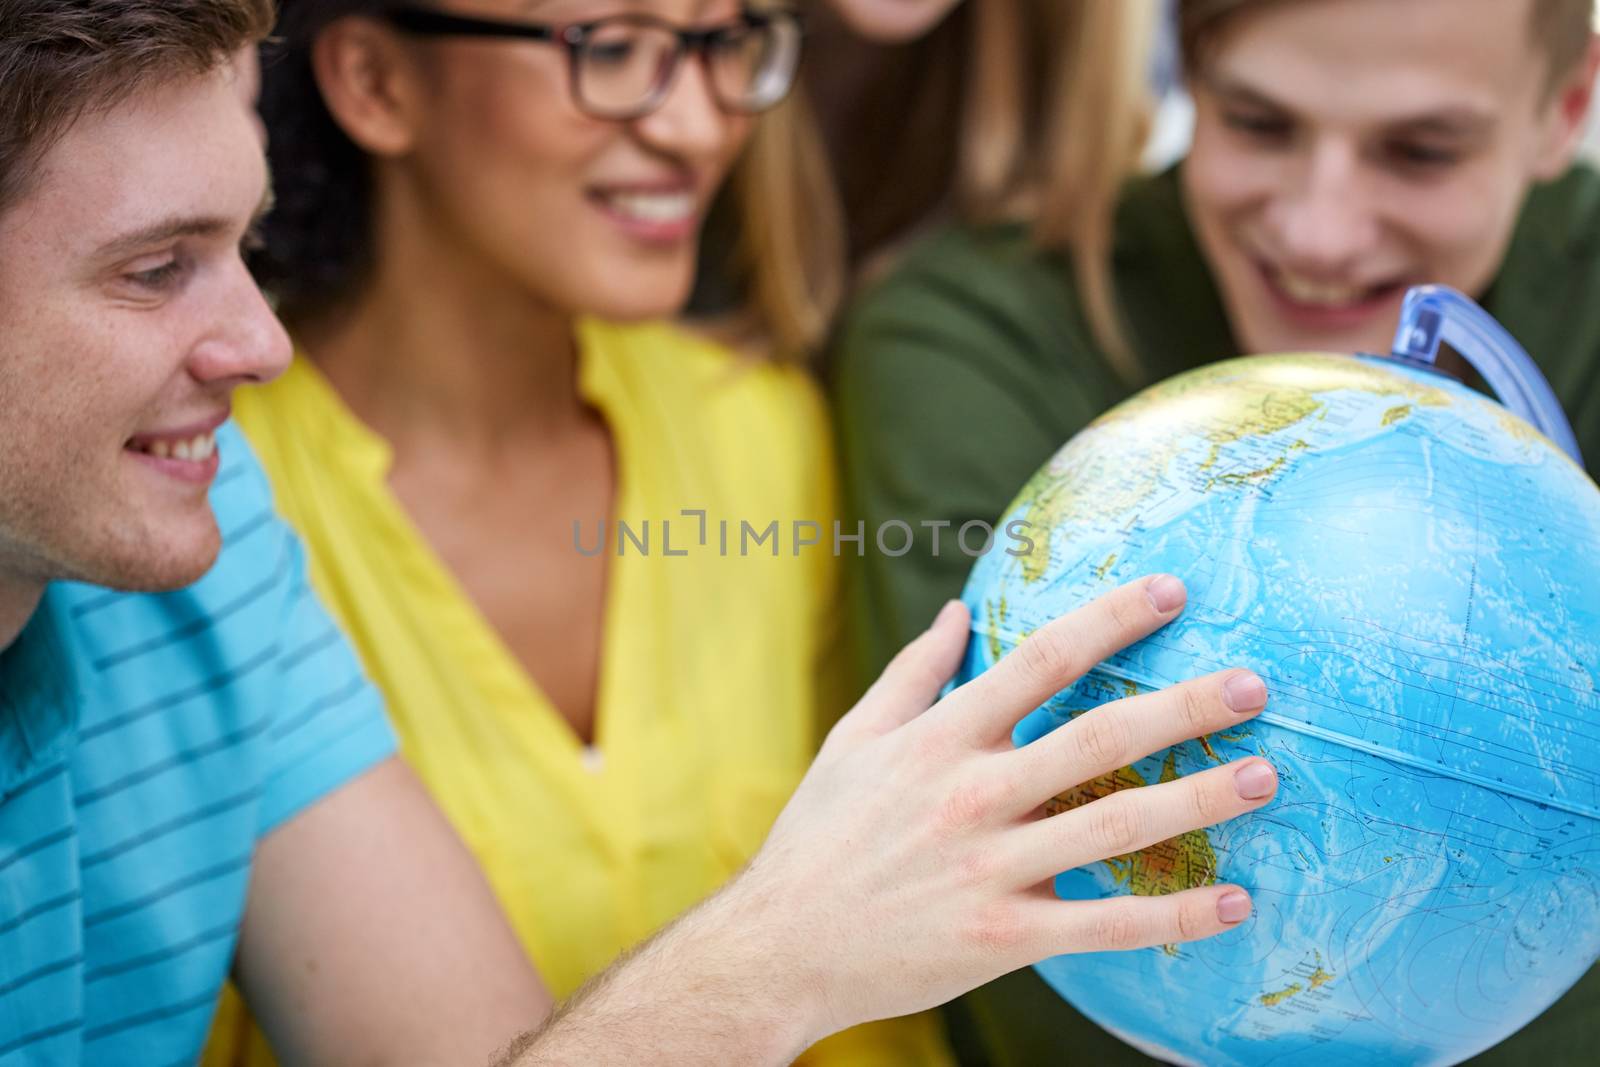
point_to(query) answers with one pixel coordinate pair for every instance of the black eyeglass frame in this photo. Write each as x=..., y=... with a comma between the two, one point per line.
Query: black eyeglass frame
x=575, y=37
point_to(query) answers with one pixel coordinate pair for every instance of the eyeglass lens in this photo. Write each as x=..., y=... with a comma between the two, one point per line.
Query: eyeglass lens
x=624, y=67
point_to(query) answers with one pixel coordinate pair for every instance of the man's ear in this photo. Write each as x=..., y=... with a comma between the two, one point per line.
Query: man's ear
x=1567, y=115
x=369, y=84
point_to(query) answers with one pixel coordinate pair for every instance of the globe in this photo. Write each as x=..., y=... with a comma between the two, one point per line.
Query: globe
x=1415, y=572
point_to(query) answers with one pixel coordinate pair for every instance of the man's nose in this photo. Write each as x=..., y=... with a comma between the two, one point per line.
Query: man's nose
x=247, y=344
x=1328, y=220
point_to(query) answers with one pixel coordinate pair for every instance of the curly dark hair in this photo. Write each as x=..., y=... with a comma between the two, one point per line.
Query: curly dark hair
x=316, y=246
x=58, y=60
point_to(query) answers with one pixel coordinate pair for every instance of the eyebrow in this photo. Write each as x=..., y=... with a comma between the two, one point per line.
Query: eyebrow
x=1449, y=121
x=176, y=226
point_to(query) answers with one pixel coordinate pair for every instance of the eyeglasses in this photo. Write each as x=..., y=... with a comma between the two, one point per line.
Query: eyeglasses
x=623, y=66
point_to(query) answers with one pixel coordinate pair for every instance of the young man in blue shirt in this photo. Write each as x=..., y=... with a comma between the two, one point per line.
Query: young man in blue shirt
x=195, y=776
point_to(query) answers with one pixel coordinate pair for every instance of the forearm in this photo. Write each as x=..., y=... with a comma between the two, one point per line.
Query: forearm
x=714, y=987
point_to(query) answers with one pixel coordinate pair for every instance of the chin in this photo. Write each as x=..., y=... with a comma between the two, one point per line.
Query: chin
x=643, y=299
x=160, y=562
x=894, y=23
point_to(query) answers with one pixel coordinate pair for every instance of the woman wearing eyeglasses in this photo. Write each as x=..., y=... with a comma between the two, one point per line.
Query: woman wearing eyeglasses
x=563, y=532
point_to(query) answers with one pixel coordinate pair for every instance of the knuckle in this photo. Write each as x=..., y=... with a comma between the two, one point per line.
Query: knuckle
x=926, y=676
x=1208, y=803
x=1194, y=708
x=1046, y=655
x=1191, y=921
x=975, y=869
x=1129, y=611
x=1117, y=826
x=1117, y=928
x=910, y=665
x=968, y=804
x=996, y=928
x=929, y=744
x=1105, y=737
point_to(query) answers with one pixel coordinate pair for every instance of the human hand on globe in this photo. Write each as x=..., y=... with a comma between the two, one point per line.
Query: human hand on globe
x=915, y=861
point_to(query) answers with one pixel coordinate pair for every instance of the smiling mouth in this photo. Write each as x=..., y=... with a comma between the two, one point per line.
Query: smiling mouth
x=668, y=215
x=1319, y=296
x=197, y=449
x=659, y=208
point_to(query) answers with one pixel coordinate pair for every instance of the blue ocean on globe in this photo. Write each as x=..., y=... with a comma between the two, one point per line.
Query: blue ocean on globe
x=1415, y=572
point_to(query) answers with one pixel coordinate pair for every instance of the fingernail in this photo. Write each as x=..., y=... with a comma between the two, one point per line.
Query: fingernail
x=949, y=609
x=1244, y=692
x=1255, y=780
x=1233, y=907
x=1166, y=593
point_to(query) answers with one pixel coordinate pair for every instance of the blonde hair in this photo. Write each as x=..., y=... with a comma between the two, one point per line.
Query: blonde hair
x=1047, y=118
x=1053, y=140
x=791, y=232
x=1097, y=128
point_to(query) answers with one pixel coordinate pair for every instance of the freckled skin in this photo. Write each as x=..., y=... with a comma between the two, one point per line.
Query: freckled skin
x=93, y=356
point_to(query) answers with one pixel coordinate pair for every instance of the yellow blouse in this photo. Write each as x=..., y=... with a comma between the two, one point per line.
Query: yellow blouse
x=713, y=663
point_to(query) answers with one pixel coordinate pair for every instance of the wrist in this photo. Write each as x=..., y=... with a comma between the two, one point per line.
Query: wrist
x=751, y=933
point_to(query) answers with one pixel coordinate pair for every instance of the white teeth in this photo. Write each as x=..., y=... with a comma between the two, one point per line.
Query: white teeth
x=654, y=207
x=1305, y=291
x=196, y=449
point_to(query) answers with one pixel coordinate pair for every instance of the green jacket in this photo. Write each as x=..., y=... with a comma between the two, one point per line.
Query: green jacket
x=965, y=369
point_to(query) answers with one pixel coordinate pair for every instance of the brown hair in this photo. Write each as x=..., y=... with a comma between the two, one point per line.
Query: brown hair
x=1560, y=28
x=58, y=60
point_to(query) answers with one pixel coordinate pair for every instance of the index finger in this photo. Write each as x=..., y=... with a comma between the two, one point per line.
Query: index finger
x=1058, y=654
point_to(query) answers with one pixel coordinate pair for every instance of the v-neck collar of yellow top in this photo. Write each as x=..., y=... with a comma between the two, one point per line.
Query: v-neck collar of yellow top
x=705, y=710
x=452, y=611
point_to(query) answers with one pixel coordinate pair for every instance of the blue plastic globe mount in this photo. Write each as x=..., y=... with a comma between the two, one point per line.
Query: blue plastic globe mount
x=1434, y=313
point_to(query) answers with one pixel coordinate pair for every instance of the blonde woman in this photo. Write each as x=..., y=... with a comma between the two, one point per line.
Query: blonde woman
x=913, y=113
x=544, y=513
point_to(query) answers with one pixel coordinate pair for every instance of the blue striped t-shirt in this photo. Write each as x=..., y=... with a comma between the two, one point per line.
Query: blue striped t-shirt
x=147, y=742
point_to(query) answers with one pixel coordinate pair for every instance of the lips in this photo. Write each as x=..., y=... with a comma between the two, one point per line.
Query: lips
x=1313, y=292
x=1322, y=304
x=187, y=453
x=657, y=214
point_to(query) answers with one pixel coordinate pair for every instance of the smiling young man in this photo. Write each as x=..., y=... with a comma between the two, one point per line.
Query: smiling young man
x=195, y=776
x=1343, y=150
x=164, y=754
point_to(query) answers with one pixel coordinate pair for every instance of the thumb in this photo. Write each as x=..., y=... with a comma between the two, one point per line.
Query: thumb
x=913, y=679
